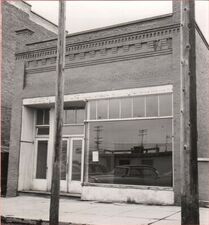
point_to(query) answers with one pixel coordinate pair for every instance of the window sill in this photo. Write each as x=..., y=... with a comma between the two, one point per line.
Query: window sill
x=73, y=124
x=124, y=186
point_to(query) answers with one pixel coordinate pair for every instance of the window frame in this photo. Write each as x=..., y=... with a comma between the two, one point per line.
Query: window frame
x=37, y=126
x=36, y=158
x=145, y=117
x=88, y=122
x=74, y=124
x=44, y=116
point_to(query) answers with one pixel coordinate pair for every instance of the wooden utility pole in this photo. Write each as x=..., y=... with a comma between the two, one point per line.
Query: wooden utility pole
x=189, y=165
x=55, y=187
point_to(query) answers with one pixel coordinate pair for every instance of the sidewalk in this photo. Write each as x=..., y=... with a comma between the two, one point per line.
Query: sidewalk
x=95, y=213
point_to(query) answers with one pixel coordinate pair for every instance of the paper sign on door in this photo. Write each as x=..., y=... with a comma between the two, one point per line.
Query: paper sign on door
x=95, y=156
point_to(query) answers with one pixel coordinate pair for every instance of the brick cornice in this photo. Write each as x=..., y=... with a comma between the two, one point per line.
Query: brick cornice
x=115, y=48
x=97, y=44
x=99, y=61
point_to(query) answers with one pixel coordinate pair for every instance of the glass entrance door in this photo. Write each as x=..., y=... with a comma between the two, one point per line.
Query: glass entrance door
x=72, y=165
x=40, y=175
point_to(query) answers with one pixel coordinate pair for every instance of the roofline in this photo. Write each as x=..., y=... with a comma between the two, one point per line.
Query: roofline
x=44, y=18
x=106, y=27
x=27, y=3
x=120, y=24
x=33, y=16
x=201, y=35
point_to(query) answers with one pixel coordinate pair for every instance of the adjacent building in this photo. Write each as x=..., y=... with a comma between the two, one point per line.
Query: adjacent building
x=20, y=25
x=121, y=139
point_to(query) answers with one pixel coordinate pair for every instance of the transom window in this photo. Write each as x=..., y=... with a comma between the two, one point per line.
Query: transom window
x=42, y=122
x=131, y=107
x=74, y=116
x=42, y=117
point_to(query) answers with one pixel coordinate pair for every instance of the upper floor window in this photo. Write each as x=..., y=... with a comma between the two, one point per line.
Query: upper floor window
x=42, y=122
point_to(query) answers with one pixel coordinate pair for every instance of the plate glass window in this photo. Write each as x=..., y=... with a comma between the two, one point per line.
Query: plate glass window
x=114, y=108
x=165, y=102
x=138, y=107
x=129, y=147
x=152, y=106
x=126, y=107
x=93, y=110
x=102, y=107
x=137, y=143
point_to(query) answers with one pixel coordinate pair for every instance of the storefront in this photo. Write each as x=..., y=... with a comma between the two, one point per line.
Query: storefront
x=121, y=124
x=116, y=139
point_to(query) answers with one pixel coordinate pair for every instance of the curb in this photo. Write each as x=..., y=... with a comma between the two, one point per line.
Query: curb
x=20, y=221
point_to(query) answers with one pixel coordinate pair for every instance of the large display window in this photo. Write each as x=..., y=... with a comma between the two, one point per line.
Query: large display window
x=130, y=151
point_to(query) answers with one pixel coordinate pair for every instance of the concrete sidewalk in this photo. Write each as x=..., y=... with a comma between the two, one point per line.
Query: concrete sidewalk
x=95, y=213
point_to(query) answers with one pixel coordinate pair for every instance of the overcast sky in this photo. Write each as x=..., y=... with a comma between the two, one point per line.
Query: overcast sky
x=85, y=15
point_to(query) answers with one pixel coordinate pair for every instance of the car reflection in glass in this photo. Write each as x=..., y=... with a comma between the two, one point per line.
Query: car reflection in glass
x=134, y=175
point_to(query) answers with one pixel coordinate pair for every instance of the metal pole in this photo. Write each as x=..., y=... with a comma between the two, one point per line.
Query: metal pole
x=188, y=146
x=55, y=186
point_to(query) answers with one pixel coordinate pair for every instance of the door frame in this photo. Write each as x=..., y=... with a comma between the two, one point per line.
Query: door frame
x=65, y=185
x=40, y=184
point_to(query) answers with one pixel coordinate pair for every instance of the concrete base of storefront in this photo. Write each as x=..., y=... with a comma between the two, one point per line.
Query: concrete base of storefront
x=95, y=213
x=129, y=195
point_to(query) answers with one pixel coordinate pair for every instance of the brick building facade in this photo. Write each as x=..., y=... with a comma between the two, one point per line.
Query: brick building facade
x=19, y=26
x=121, y=114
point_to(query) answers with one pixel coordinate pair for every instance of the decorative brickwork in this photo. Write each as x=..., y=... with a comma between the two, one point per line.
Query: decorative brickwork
x=139, y=54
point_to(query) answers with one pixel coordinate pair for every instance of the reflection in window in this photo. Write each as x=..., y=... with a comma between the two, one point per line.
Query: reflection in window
x=120, y=171
x=152, y=106
x=148, y=154
x=165, y=102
